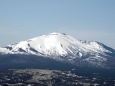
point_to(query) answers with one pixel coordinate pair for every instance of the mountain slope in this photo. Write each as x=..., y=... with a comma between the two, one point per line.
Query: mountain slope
x=62, y=47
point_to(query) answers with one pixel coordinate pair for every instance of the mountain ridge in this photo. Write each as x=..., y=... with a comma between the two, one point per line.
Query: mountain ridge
x=62, y=47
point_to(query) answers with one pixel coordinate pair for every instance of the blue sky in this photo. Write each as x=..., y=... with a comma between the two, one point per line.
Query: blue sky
x=92, y=20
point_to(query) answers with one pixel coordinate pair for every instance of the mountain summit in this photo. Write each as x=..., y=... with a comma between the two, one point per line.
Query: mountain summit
x=62, y=47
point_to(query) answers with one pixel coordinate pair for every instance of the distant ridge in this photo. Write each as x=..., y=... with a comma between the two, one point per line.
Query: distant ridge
x=62, y=47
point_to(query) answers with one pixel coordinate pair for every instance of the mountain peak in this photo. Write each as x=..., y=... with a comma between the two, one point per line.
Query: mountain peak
x=60, y=46
x=57, y=33
x=55, y=45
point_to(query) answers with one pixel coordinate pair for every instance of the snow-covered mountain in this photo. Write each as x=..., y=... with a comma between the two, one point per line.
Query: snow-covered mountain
x=62, y=47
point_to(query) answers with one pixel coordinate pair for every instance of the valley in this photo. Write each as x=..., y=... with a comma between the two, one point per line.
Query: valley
x=45, y=77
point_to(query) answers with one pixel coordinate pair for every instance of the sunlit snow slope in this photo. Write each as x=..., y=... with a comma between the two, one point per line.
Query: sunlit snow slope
x=60, y=46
